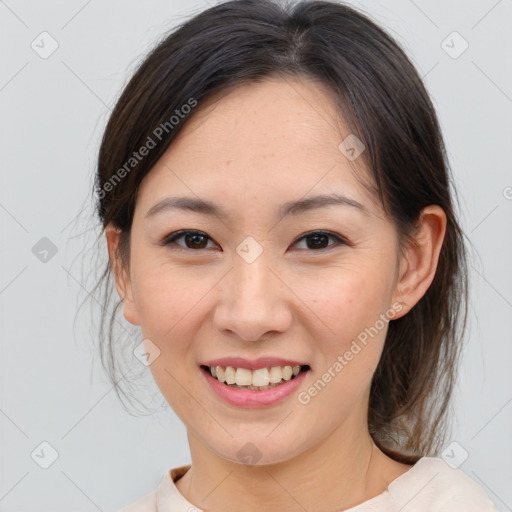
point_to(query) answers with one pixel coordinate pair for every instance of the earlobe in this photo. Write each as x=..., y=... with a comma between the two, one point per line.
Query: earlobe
x=121, y=275
x=418, y=264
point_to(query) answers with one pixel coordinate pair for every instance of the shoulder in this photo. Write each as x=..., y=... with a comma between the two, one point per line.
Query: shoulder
x=146, y=503
x=434, y=486
x=164, y=496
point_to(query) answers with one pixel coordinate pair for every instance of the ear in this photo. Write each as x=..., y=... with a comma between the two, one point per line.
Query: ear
x=418, y=264
x=121, y=275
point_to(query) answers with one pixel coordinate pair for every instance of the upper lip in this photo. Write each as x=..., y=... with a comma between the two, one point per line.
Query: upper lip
x=253, y=364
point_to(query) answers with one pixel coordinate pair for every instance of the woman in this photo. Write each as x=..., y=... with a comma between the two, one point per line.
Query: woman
x=275, y=195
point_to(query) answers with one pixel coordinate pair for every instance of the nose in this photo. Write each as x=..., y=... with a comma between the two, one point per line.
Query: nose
x=254, y=301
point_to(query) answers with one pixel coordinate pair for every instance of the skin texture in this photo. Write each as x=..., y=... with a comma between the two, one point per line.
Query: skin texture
x=251, y=150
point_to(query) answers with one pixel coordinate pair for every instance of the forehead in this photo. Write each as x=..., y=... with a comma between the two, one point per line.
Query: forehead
x=279, y=137
x=282, y=113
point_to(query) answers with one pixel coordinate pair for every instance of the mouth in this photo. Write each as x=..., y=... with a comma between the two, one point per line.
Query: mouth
x=255, y=380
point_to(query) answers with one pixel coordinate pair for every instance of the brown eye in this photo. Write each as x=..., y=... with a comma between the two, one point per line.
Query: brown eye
x=192, y=239
x=197, y=240
x=318, y=240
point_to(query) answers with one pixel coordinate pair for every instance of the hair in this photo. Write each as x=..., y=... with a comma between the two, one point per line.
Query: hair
x=383, y=101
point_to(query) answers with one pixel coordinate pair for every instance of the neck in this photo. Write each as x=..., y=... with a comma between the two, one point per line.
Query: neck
x=341, y=472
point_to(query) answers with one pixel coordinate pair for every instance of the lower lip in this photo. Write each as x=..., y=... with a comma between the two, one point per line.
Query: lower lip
x=251, y=398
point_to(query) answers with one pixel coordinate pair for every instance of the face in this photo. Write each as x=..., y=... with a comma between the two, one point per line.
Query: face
x=313, y=285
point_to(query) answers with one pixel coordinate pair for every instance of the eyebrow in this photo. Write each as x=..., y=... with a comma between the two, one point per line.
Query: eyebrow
x=290, y=208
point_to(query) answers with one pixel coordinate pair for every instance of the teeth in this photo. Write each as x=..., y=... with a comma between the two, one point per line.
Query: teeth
x=275, y=374
x=229, y=375
x=243, y=377
x=220, y=374
x=287, y=372
x=260, y=378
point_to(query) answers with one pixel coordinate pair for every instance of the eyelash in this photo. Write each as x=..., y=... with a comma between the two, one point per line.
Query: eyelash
x=171, y=239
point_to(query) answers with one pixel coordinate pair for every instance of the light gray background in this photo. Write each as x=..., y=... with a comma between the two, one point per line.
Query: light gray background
x=52, y=114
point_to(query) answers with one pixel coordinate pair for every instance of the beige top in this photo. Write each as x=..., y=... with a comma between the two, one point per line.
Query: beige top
x=431, y=485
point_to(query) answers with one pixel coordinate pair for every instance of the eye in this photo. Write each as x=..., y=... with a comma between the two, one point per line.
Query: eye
x=193, y=239
x=319, y=239
x=315, y=240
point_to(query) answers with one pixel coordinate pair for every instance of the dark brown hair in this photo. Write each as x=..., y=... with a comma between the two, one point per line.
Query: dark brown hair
x=382, y=99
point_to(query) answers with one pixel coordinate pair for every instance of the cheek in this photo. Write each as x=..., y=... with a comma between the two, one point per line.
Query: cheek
x=350, y=306
x=166, y=308
x=346, y=302
x=169, y=308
